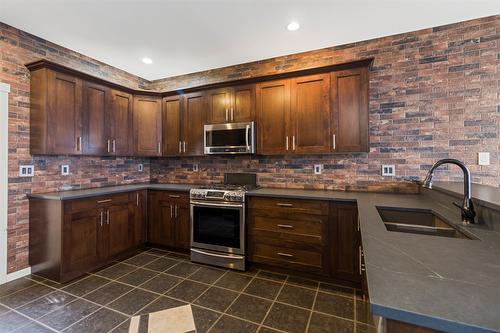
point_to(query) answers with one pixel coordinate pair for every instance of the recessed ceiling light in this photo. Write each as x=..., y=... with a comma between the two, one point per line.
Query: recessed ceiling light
x=147, y=61
x=293, y=26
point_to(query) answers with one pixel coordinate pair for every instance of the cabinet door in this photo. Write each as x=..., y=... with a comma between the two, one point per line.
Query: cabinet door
x=161, y=220
x=243, y=103
x=183, y=226
x=273, y=114
x=82, y=236
x=219, y=103
x=147, y=125
x=311, y=119
x=139, y=219
x=194, y=118
x=350, y=110
x=96, y=123
x=119, y=222
x=345, y=242
x=172, y=126
x=64, y=118
x=121, y=119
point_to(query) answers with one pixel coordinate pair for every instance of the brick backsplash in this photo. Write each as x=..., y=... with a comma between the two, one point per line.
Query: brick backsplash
x=434, y=93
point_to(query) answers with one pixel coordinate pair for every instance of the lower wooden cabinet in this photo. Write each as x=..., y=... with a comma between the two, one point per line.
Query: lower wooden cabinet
x=169, y=222
x=311, y=236
x=69, y=238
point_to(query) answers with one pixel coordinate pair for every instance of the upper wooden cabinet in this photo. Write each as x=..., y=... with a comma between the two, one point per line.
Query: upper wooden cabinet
x=120, y=123
x=172, y=125
x=96, y=122
x=231, y=104
x=147, y=125
x=349, y=95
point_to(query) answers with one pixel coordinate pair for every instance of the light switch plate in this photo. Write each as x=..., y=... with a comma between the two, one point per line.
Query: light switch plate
x=26, y=170
x=318, y=168
x=483, y=158
x=65, y=170
x=141, y=167
x=388, y=170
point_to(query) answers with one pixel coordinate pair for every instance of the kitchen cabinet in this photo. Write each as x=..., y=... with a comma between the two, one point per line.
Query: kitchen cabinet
x=172, y=125
x=147, y=125
x=231, y=104
x=69, y=238
x=120, y=122
x=349, y=99
x=56, y=113
x=169, y=220
x=193, y=120
x=96, y=122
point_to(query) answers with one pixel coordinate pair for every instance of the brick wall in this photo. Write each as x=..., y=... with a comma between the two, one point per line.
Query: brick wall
x=434, y=93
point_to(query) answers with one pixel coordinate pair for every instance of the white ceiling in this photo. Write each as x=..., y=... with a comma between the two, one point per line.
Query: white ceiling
x=185, y=36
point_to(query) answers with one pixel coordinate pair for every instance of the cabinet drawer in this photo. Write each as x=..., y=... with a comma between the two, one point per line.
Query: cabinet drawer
x=96, y=202
x=179, y=197
x=290, y=206
x=286, y=257
x=311, y=230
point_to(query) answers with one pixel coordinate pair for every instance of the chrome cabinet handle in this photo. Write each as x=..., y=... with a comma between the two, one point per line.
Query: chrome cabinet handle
x=104, y=201
x=334, y=143
x=184, y=148
x=171, y=211
x=176, y=210
x=109, y=144
x=102, y=217
x=107, y=216
x=232, y=114
x=180, y=147
x=174, y=196
x=286, y=143
x=79, y=143
x=227, y=114
x=293, y=143
x=285, y=226
x=114, y=146
x=284, y=204
x=285, y=254
x=137, y=199
x=159, y=147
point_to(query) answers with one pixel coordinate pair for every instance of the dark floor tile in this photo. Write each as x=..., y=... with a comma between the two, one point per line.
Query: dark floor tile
x=122, y=328
x=25, y=295
x=68, y=314
x=176, y=255
x=362, y=328
x=10, y=321
x=301, y=282
x=287, y=318
x=335, y=305
x=161, y=264
x=161, y=303
x=335, y=289
x=157, y=252
x=264, y=329
x=161, y=283
x=33, y=327
x=272, y=276
x=116, y=271
x=108, y=293
x=263, y=288
x=321, y=323
x=250, y=271
x=363, y=312
x=187, y=290
x=16, y=285
x=297, y=296
x=207, y=275
x=138, y=277
x=250, y=308
x=133, y=301
x=86, y=285
x=216, y=298
x=183, y=269
x=46, y=304
x=101, y=321
x=234, y=281
x=203, y=318
x=141, y=259
x=229, y=324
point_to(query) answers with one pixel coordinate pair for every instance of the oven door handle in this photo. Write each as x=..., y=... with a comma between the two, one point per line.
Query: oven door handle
x=208, y=204
x=232, y=256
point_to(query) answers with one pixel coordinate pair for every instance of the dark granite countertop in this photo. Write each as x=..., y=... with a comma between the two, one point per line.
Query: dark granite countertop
x=443, y=283
x=488, y=196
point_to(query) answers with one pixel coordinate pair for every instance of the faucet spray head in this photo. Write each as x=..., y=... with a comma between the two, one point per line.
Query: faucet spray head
x=428, y=181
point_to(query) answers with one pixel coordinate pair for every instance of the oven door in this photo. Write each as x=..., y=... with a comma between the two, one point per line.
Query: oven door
x=218, y=226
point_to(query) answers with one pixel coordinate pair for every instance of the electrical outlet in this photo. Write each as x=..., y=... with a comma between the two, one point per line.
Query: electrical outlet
x=318, y=168
x=141, y=167
x=483, y=158
x=26, y=170
x=65, y=170
x=195, y=167
x=388, y=170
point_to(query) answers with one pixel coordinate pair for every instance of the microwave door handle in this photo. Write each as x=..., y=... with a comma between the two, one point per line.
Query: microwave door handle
x=246, y=136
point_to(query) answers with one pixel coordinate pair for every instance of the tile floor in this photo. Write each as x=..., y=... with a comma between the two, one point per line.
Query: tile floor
x=154, y=280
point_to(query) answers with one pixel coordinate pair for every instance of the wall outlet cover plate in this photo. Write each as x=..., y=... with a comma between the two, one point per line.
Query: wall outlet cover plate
x=318, y=168
x=26, y=170
x=141, y=167
x=65, y=170
x=483, y=158
x=388, y=170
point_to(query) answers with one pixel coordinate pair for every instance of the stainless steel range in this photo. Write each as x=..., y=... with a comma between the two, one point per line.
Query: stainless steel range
x=218, y=222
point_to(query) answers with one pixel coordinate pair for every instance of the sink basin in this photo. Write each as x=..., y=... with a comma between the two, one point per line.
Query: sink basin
x=419, y=221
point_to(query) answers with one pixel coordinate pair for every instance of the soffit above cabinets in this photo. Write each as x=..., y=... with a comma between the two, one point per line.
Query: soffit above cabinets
x=188, y=36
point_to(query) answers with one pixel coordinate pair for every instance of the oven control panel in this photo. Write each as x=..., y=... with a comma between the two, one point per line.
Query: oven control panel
x=220, y=195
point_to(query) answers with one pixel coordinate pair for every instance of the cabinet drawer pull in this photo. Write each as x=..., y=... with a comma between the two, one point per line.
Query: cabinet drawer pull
x=287, y=255
x=286, y=143
x=284, y=204
x=285, y=226
x=174, y=196
x=114, y=146
x=104, y=201
x=171, y=211
x=107, y=217
x=180, y=147
x=102, y=218
x=109, y=146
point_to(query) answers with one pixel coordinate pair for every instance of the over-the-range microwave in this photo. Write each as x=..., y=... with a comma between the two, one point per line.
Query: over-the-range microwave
x=230, y=138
